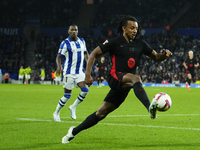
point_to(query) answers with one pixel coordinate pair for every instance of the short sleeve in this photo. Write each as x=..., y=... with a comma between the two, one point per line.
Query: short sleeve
x=83, y=41
x=107, y=46
x=63, y=48
x=147, y=49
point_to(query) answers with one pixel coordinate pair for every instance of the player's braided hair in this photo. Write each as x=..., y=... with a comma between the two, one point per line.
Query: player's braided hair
x=123, y=22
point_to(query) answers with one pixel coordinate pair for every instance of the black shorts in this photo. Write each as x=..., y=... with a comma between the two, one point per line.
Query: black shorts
x=191, y=72
x=100, y=74
x=115, y=82
x=116, y=95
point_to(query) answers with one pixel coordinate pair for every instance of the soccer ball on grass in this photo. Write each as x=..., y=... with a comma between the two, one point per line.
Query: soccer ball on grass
x=163, y=100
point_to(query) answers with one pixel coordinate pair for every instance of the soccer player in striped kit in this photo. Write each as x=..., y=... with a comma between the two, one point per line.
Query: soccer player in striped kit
x=74, y=50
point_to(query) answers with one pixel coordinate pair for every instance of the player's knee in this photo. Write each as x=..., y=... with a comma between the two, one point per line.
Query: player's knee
x=84, y=91
x=134, y=80
x=67, y=95
x=101, y=116
x=137, y=79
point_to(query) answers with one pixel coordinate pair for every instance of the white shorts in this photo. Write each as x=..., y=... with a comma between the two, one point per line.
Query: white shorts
x=58, y=79
x=42, y=78
x=21, y=77
x=70, y=79
x=27, y=76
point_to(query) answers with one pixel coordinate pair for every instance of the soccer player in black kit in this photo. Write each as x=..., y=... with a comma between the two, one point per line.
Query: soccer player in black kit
x=125, y=51
x=189, y=65
x=101, y=71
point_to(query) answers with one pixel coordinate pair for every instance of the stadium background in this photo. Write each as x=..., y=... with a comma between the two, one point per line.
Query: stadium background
x=31, y=31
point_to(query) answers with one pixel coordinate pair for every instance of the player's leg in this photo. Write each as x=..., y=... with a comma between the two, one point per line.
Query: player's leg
x=102, y=79
x=42, y=80
x=186, y=83
x=98, y=80
x=80, y=98
x=29, y=77
x=20, y=79
x=112, y=101
x=56, y=80
x=59, y=80
x=132, y=81
x=189, y=79
x=67, y=86
x=62, y=102
x=84, y=91
x=90, y=121
x=26, y=79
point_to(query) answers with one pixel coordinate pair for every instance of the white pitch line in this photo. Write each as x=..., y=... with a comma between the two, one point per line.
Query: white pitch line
x=115, y=116
x=150, y=126
x=157, y=115
x=114, y=124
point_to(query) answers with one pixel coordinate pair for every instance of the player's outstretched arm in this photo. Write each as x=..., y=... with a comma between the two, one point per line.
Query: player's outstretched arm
x=158, y=57
x=95, y=53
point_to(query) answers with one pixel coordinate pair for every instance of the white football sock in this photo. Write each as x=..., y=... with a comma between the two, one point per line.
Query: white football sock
x=62, y=102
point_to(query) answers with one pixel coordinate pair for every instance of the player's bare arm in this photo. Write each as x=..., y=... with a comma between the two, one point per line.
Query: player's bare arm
x=196, y=65
x=158, y=57
x=58, y=62
x=86, y=56
x=184, y=64
x=95, y=53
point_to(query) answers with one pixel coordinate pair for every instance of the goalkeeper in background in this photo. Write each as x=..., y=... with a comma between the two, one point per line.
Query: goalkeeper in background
x=27, y=75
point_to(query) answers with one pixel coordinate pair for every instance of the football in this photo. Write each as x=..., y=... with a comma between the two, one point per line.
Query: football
x=164, y=101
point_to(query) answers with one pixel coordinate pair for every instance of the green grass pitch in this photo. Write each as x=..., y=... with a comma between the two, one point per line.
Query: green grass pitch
x=26, y=121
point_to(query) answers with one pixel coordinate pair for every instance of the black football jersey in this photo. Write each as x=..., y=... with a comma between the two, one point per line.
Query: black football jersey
x=101, y=66
x=190, y=63
x=125, y=56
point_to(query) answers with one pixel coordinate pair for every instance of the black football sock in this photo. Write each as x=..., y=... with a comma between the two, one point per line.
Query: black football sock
x=98, y=82
x=141, y=94
x=87, y=123
x=189, y=81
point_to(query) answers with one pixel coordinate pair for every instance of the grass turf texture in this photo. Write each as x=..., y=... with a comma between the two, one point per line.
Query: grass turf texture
x=26, y=120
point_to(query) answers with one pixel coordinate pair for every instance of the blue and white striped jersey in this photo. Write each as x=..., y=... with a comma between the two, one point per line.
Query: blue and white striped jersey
x=74, y=55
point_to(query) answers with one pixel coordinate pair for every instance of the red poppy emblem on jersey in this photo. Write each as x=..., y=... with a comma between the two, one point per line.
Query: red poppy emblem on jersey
x=131, y=63
x=191, y=65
